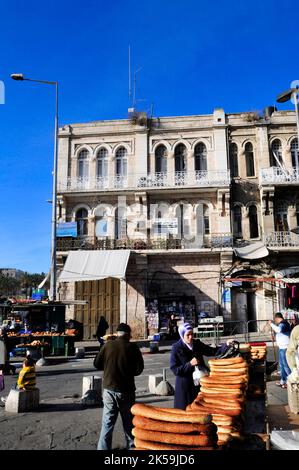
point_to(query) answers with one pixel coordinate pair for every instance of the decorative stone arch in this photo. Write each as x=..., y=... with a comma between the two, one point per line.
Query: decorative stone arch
x=161, y=142
x=83, y=147
x=252, y=203
x=104, y=206
x=203, y=202
x=78, y=207
x=99, y=147
x=174, y=207
x=204, y=141
x=120, y=145
x=181, y=141
x=247, y=141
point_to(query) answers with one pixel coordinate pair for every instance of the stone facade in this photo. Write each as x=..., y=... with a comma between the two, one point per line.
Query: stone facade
x=215, y=177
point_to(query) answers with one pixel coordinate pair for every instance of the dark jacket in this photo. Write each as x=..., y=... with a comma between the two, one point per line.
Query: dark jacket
x=102, y=328
x=181, y=355
x=121, y=361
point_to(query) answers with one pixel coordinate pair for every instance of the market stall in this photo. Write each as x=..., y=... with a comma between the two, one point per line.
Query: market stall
x=40, y=329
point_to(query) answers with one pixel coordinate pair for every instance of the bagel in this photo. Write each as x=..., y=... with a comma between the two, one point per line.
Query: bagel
x=147, y=445
x=214, y=391
x=173, y=438
x=178, y=428
x=228, y=366
x=230, y=360
x=224, y=380
x=146, y=411
x=215, y=409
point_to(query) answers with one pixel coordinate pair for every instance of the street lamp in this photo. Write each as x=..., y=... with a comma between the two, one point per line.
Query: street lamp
x=53, y=277
x=286, y=96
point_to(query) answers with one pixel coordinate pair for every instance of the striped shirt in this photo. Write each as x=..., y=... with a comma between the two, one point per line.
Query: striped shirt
x=27, y=378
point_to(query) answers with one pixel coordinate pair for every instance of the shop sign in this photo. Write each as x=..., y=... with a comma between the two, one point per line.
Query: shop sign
x=67, y=229
x=38, y=294
x=166, y=226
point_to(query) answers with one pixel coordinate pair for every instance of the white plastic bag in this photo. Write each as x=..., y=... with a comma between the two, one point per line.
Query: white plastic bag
x=198, y=373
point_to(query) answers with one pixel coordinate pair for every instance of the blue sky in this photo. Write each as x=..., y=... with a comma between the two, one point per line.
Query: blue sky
x=194, y=56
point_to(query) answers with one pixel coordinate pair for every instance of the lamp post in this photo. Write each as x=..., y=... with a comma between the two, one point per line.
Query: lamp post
x=286, y=96
x=53, y=278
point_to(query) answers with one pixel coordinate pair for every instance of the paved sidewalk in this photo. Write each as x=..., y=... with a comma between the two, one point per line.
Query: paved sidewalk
x=279, y=414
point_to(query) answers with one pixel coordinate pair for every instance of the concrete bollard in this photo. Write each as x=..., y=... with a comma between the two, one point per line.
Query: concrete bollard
x=92, y=390
x=19, y=401
x=154, y=347
x=153, y=381
x=80, y=353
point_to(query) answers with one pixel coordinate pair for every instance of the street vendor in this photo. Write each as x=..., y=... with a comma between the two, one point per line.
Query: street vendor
x=185, y=355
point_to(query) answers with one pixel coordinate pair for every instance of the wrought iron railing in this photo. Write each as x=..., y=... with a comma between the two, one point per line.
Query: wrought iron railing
x=155, y=180
x=278, y=175
x=281, y=239
x=94, y=243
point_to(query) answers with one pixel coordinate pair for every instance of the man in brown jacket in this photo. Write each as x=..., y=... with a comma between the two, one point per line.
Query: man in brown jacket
x=121, y=361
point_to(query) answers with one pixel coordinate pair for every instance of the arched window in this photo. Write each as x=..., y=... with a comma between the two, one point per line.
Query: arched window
x=121, y=162
x=102, y=163
x=281, y=216
x=200, y=156
x=237, y=222
x=295, y=153
x=161, y=159
x=121, y=225
x=101, y=222
x=249, y=158
x=233, y=156
x=82, y=222
x=202, y=219
x=253, y=222
x=180, y=156
x=276, y=151
x=83, y=164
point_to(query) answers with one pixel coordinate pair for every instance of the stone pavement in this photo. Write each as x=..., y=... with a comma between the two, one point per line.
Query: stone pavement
x=61, y=422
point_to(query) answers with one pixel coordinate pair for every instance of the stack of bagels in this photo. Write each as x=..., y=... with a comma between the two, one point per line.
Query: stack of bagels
x=172, y=429
x=222, y=394
x=258, y=351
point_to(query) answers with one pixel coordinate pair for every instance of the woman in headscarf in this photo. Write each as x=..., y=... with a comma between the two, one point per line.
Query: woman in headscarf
x=185, y=355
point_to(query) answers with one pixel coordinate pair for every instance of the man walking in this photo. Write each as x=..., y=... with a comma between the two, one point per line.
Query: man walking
x=121, y=361
x=283, y=331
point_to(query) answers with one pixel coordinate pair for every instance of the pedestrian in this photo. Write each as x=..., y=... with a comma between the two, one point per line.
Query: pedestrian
x=187, y=353
x=173, y=327
x=101, y=329
x=121, y=361
x=283, y=332
x=5, y=365
x=293, y=350
x=26, y=379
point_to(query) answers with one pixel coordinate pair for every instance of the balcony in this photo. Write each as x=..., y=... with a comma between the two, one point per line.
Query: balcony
x=195, y=179
x=281, y=239
x=276, y=175
x=221, y=240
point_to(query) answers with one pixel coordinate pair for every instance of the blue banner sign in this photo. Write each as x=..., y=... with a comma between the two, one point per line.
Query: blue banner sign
x=67, y=229
x=38, y=294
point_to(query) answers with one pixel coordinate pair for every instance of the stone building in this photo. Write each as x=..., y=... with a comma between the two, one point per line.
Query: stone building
x=185, y=197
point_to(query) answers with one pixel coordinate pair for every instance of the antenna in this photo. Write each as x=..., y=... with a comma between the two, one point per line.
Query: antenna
x=130, y=83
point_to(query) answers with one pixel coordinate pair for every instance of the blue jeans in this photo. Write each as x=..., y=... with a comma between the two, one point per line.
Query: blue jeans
x=284, y=368
x=114, y=403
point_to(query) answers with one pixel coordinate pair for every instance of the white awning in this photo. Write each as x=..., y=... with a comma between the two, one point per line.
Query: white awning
x=85, y=265
x=253, y=251
x=290, y=280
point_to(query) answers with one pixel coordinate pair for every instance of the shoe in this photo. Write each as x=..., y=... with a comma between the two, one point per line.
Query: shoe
x=278, y=384
x=284, y=386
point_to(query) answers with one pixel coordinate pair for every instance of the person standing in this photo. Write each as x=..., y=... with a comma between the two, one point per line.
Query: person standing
x=101, y=329
x=185, y=355
x=121, y=361
x=283, y=331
